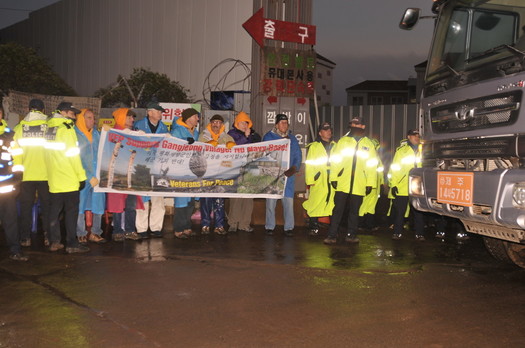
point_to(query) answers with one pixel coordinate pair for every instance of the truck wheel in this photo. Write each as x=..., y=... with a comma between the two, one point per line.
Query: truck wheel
x=516, y=253
x=497, y=249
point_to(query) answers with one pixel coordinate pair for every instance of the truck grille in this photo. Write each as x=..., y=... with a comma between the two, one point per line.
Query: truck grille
x=498, y=110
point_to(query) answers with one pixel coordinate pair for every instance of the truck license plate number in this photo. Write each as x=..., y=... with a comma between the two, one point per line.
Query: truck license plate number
x=455, y=188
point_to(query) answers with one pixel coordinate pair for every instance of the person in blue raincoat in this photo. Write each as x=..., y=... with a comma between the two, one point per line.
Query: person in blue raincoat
x=154, y=219
x=281, y=131
x=88, y=140
x=185, y=128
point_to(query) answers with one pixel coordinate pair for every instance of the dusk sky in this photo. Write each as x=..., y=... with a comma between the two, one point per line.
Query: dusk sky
x=361, y=36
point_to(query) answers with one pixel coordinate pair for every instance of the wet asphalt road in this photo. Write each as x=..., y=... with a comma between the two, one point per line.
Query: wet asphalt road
x=253, y=290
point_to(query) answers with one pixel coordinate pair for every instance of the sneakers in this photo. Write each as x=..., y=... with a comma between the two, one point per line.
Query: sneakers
x=330, y=241
x=118, y=237
x=55, y=246
x=95, y=238
x=462, y=236
x=420, y=238
x=351, y=239
x=440, y=235
x=233, y=228
x=205, y=230
x=82, y=239
x=220, y=231
x=313, y=232
x=154, y=234
x=269, y=232
x=247, y=229
x=132, y=236
x=18, y=257
x=25, y=243
x=78, y=249
x=288, y=233
x=143, y=235
x=397, y=236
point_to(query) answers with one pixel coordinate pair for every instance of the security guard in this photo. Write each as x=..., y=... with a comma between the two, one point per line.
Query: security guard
x=368, y=207
x=320, y=201
x=407, y=156
x=30, y=142
x=10, y=175
x=65, y=177
x=352, y=174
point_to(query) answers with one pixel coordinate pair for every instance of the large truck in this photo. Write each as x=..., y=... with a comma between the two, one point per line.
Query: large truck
x=473, y=121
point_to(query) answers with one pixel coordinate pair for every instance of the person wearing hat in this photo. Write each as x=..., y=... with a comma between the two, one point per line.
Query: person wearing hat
x=280, y=131
x=406, y=157
x=66, y=177
x=240, y=212
x=30, y=140
x=320, y=200
x=154, y=218
x=10, y=175
x=353, y=166
x=215, y=135
x=88, y=139
x=185, y=128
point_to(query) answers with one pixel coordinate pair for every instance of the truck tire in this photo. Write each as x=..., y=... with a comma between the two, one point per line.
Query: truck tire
x=516, y=252
x=497, y=249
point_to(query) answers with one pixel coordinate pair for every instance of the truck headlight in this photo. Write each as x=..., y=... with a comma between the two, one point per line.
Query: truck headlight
x=518, y=194
x=415, y=186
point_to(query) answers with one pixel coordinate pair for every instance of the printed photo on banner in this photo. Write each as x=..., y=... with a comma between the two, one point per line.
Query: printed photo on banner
x=161, y=165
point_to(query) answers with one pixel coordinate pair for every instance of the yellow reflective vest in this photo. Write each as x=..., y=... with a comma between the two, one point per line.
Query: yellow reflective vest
x=320, y=201
x=353, y=165
x=405, y=159
x=29, y=146
x=64, y=167
x=370, y=201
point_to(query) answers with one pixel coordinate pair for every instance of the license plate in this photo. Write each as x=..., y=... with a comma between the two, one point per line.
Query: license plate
x=455, y=188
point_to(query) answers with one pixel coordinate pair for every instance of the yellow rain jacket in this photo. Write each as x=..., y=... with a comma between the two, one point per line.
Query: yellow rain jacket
x=64, y=167
x=29, y=146
x=320, y=201
x=354, y=163
x=405, y=159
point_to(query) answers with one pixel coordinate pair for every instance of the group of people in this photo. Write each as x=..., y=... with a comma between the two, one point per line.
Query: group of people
x=54, y=161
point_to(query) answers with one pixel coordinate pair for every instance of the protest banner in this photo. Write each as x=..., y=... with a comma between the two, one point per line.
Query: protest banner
x=161, y=165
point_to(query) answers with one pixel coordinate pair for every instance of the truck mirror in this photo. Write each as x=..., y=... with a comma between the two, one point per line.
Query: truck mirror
x=410, y=18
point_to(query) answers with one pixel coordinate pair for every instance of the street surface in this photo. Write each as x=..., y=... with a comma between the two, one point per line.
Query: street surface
x=253, y=290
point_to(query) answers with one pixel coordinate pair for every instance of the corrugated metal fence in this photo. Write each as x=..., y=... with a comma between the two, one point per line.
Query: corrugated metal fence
x=386, y=123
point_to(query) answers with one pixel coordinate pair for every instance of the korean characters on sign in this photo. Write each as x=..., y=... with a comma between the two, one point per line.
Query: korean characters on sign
x=297, y=110
x=455, y=188
x=288, y=72
x=174, y=111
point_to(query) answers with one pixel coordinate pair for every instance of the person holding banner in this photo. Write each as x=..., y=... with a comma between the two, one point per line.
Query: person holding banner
x=240, y=212
x=119, y=203
x=185, y=128
x=320, y=200
x=95, y=202
x=215, y=135
x=281, y=131
x=154, y=219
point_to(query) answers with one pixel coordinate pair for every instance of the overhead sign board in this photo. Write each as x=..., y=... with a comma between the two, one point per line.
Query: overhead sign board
x=261, y=28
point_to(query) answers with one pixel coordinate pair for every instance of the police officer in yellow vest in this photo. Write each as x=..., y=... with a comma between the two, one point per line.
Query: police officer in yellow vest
x=65, y=177
x=30, y=141
x=10, y=175
x=320, y=201
x=368, y=207
x=353, y=165
x=407, y=156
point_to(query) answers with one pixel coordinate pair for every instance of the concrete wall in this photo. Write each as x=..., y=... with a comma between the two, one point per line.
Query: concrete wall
x=90, y=42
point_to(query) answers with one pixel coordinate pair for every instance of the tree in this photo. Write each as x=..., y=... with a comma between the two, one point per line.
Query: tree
x=21, y=69
x=141, y=87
